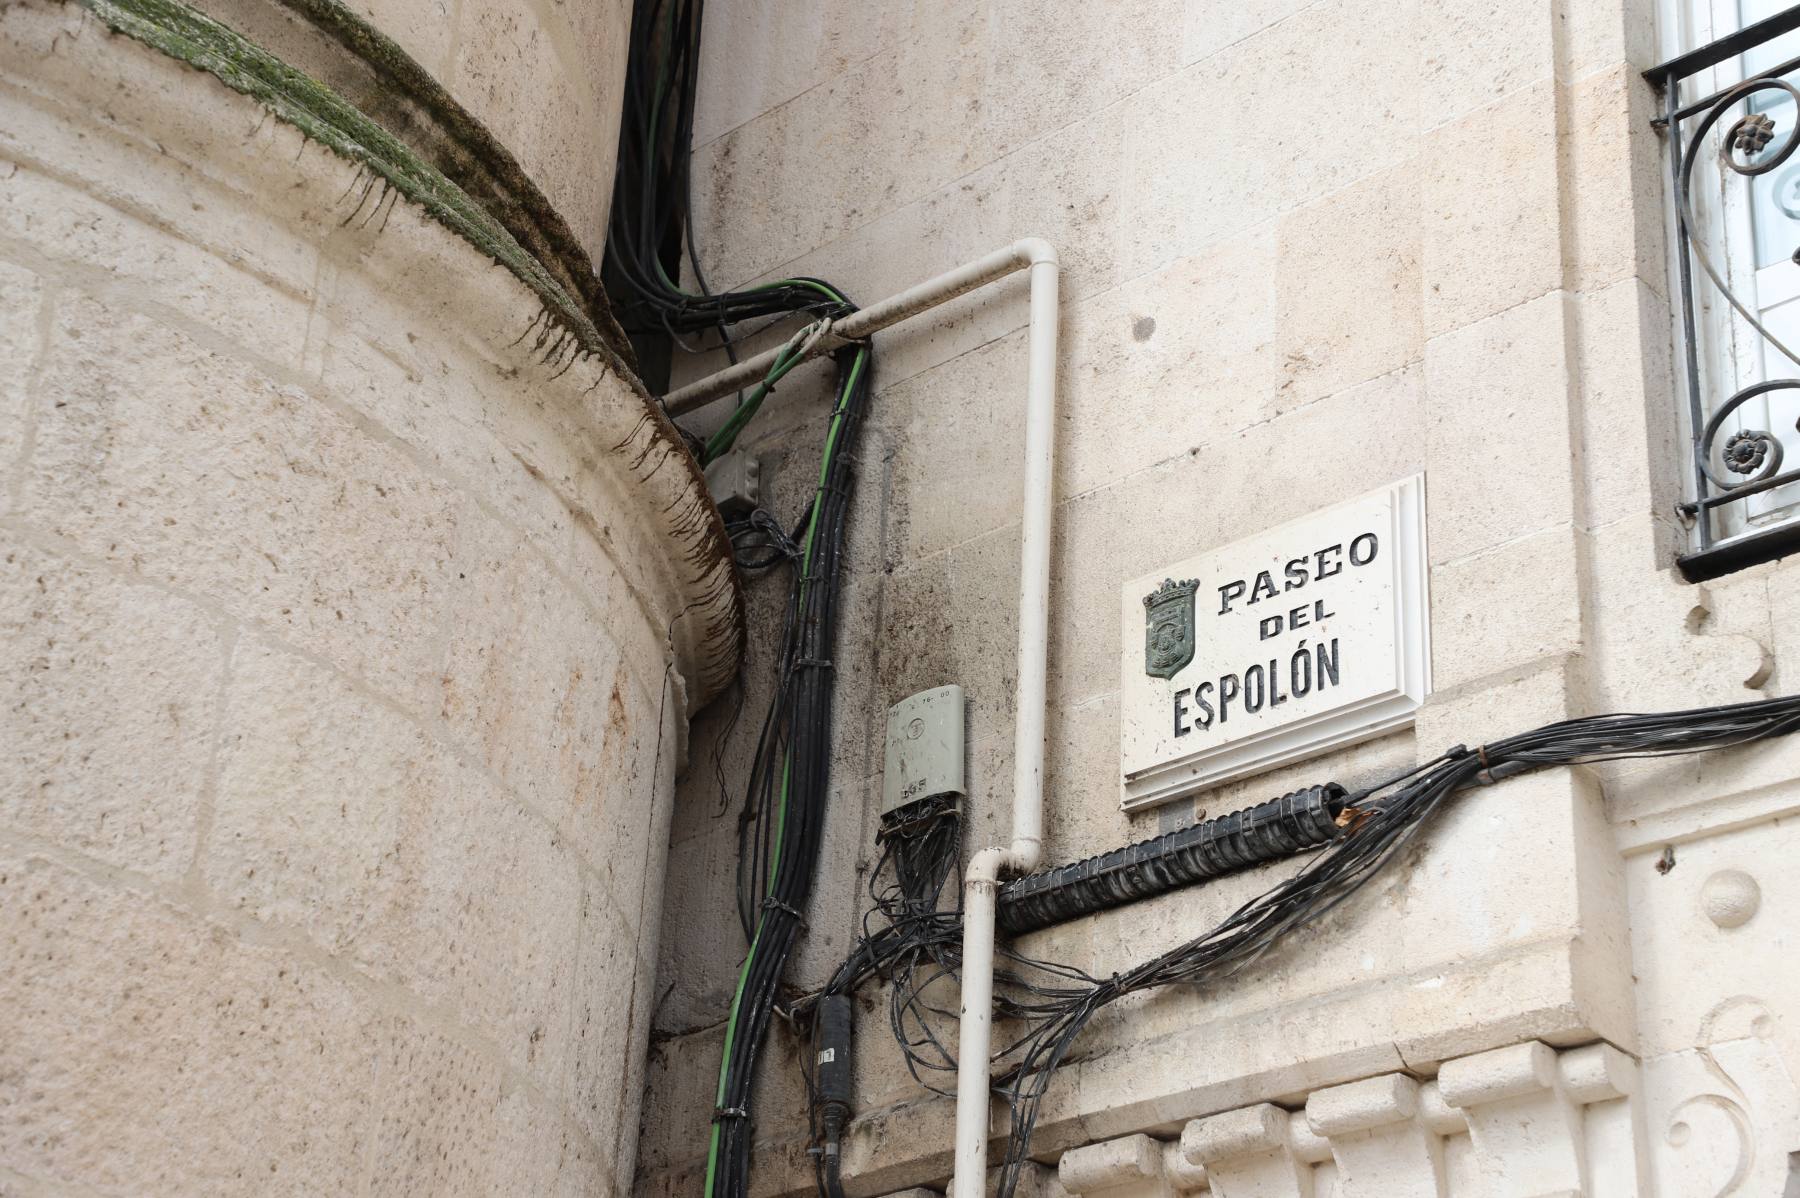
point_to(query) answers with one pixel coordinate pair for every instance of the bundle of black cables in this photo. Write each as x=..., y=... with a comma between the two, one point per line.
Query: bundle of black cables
x=906, y=937
x=1054, y=1003
x=783, y=823
x=781, y=826
x=1380, y=821
x=913, y=941
x=651, y=214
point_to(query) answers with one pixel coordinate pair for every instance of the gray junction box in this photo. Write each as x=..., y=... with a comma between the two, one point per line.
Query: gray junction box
x=924, y=748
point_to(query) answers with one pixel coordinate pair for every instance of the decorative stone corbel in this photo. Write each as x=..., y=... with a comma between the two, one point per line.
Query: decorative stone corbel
x=1129, y=1167
x=1247, y=1154
x=1382, y=1147
x=1185, y=1176
x=1524, y=1124
x=1605, y=1081
x=1442, y=1118
x=1541, y=1125
x=1597, y=1073
x=1034, y=1181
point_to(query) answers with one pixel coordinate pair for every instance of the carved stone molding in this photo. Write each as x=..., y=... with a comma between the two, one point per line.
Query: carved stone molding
x=1249, y=1153
x=1523, y=1120
x=1525, y=1127
x=1382, y=1147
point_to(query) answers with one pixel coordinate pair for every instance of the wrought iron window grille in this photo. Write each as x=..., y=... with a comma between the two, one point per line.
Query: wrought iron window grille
x=1733, y=461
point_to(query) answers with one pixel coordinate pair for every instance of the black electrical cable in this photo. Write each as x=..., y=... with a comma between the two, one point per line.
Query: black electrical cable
x=781, y=835
x=1303, y=819
x=780, y=829
x=907, y=938
x=760, y=543
x=651, y=214
x=1374, y=825
x=1381, y=822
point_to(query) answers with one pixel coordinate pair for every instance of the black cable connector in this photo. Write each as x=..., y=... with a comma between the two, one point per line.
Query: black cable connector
x=1271, y=831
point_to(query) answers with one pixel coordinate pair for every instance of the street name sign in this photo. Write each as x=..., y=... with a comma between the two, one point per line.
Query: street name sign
x=1279, y=647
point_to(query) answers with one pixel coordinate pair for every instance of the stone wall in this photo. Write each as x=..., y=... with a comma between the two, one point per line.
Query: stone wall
x=349, y=651
x=1309, y=248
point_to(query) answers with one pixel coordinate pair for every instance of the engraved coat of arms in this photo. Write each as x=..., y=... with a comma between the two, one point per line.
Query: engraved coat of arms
x=1169, y=627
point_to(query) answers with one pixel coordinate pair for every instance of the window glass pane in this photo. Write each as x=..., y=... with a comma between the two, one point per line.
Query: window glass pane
x=1776, y=195
x=1750, y=229
x=1775, y=226
x=1773, y=53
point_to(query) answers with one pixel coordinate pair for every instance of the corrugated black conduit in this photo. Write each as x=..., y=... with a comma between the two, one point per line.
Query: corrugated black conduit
x=1305, y=819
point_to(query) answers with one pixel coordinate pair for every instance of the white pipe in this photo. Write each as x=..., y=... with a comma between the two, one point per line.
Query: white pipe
x=981, y=882
x=867, y=321
x=1034, y=560
x=975, y=1033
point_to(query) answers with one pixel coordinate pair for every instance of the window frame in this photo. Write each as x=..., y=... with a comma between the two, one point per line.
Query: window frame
x=1723, y=354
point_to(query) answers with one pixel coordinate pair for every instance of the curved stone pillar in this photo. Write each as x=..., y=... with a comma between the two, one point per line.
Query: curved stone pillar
x=545, y=77
x=513, y=63
x=354, y=601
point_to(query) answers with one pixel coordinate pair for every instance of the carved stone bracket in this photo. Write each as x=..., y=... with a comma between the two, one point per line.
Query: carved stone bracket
x=1538, y=1122
x=1382, y=1147
x=1131, y=1167
x=1249, y=1153
x=1525, y=1127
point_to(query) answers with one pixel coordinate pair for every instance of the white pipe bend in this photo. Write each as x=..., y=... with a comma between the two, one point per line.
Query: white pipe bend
x=981, y=881
x=1026, y=253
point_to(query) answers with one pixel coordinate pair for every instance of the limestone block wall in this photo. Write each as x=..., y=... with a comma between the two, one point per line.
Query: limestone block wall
x=1309, y=248
x=349, y=647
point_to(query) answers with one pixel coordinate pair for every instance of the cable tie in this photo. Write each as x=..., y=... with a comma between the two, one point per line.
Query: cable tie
x=821, y=329
x=775, y=904
x=1481, y=752
x=729, y=1112
x=821, y=663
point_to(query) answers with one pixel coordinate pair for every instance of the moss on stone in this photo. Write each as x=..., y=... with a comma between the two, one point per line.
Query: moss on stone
x=183, y=33
x=468, y=154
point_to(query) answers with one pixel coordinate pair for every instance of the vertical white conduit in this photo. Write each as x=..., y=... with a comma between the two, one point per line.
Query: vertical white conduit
x=981, y=883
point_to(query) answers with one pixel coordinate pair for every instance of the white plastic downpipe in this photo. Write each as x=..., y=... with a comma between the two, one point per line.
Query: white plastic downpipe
x=981, y=882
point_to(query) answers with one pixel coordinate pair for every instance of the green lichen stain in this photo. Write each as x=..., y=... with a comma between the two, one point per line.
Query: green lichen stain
x=472, y=158
x=183, y=33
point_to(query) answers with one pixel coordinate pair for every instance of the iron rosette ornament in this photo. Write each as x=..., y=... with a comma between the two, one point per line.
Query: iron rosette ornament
x=1751, y=459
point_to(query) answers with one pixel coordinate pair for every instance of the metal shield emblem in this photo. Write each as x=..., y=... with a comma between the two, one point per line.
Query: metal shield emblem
x=1169, y=627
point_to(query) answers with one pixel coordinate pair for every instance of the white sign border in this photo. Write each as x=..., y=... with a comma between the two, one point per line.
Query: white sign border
x=1339, y=727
